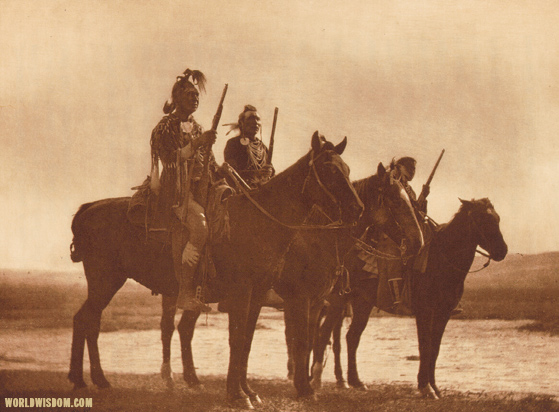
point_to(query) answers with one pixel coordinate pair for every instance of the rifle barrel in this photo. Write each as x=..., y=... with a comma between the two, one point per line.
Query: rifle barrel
x=434, y=169
x=272, y=136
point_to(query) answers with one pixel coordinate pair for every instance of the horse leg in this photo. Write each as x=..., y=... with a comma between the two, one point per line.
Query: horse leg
x=99, y=295
x=186, y=332
x=298, y=309
x=424, y=323
x=334, y=315
x=361, y=311
x=439, y=324
x=169, y=308
x=239, y=301
x=78, y=347
x=289, y=336
x=252, y=319
x=337, y=350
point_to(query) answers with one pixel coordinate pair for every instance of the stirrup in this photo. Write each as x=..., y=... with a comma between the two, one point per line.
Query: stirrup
x=195, y=304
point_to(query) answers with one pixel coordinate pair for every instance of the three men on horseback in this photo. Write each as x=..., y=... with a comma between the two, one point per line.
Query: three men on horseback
x=180, y=143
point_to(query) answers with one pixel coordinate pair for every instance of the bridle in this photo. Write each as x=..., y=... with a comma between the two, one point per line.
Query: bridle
x=471, y=222
x=312, y=173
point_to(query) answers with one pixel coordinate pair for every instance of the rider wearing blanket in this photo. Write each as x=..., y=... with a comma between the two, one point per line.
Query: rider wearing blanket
x=180, y=143
x=405, y=171
x=246, y=153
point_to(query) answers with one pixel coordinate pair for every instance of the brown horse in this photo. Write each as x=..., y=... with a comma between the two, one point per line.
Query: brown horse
x=435, y=293
x=113, y=250
x=315, y=263
x=308, y=273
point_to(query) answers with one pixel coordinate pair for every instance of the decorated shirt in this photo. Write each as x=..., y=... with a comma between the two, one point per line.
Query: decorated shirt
x=246, y=157
x=167, y=139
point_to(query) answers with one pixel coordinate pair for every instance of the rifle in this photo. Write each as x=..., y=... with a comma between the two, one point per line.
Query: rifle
x=205, y=179
x=425, y=189
x=271, y=148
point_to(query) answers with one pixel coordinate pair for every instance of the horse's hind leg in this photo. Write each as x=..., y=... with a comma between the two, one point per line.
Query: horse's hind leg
x=186, y=333
x=100, y=292
x=78, y=347
x=168, y=310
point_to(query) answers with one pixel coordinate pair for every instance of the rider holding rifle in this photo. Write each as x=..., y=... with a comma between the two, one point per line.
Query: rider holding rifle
x=181, y=145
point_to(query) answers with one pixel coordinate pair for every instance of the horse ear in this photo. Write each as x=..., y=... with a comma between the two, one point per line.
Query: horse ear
x=316, y=142
x=340, y=147
x=381, y=170
x=466, y=202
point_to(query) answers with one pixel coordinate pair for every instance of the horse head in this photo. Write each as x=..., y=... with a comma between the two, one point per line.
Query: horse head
x=327, y=184
x=389, y=208
x=484, y=222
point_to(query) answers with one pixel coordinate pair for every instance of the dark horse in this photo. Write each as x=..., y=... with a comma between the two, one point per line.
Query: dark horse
x=113, y=250
x=315, y=263
x=435, y=293
x=308, y=274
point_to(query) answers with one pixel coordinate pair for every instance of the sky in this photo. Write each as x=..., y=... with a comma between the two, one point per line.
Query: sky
x=82, y=84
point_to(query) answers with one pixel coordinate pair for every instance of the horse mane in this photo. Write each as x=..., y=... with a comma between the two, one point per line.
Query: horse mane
x=363, y=187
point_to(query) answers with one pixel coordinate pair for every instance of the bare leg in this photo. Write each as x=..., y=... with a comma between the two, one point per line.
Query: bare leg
x=168, y=310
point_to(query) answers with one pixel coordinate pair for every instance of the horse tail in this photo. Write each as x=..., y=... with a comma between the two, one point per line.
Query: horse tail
x=76, y=247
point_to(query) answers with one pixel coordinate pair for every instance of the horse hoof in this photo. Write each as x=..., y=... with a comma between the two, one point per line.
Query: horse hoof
x=166, y=372
x=255, y=399
x=437, y=390
x=79, y=385
x=316, y=383
x=360, y=386
x=311, y=398
x=241, y=403
x=342, y=385
x=103, y=385
x=169, y=383
x=198, y=387
x=427, y=392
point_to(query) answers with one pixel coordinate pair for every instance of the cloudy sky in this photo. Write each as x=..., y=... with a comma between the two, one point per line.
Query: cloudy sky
x=83, y=83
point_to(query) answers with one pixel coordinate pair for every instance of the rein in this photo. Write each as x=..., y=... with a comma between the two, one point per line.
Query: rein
x=331, y=226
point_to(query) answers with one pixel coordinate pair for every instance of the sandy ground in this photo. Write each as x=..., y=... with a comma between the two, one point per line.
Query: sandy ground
x=476, y=356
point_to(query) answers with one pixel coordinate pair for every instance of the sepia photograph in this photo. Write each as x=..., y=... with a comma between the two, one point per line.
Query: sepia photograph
x=312, y=206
